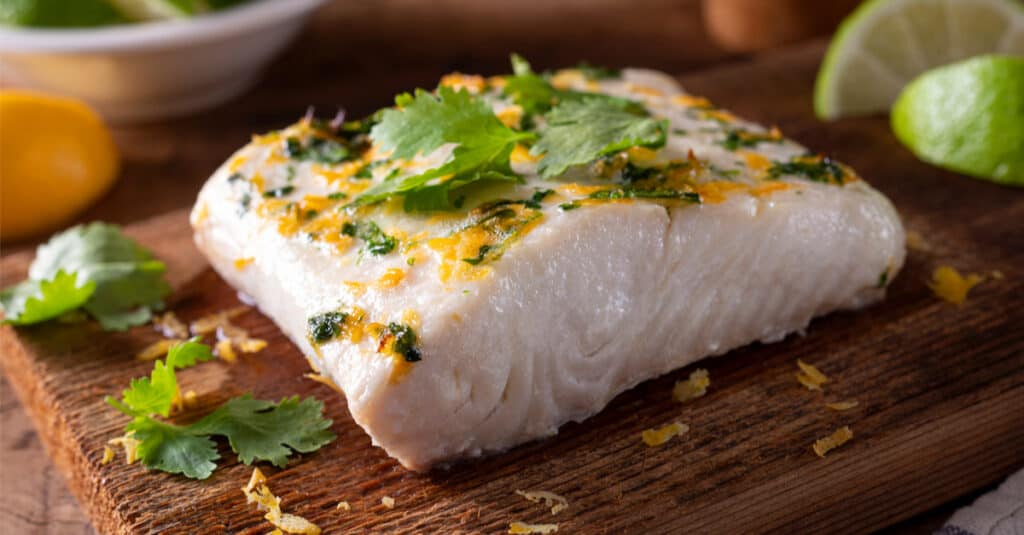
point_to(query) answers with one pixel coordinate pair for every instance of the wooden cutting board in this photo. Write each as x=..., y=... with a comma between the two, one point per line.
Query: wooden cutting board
x=940, y=387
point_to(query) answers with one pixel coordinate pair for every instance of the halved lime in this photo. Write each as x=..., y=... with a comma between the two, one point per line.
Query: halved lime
x=884, y=44
x=967, y=117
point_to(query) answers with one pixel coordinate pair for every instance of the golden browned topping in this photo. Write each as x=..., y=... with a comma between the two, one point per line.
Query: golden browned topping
x=661, y=435
x=550, y=499
x=838, y=438
x=256, y=491
x=695, y=387
x=809, y=376
x=210, y=323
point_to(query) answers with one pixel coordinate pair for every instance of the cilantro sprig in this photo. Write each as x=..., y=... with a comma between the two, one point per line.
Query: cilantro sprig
x=565, y=127
x=421, y=124
x=257, y=430
x=93, y=267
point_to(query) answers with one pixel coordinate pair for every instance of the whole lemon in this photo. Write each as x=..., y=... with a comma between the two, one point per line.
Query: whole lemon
x=56, y=158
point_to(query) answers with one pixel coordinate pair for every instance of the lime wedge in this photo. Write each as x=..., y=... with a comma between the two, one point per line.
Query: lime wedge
x=884, y=44
x=967, y=117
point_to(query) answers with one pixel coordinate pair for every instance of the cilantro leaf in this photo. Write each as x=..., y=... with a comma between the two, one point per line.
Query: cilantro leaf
x=128, y=282
x=264, y=431
x=529, y=90
x=155, y=394
x=581, y=131
x=174, y=449
x=422, y=124
x=35, y=301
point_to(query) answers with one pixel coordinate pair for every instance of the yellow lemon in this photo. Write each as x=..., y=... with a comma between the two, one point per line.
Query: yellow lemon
x=56, y=158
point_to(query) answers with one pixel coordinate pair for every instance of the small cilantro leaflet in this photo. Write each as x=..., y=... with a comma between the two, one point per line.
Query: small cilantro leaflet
x=581, y=131
x=35, y=301
x=128, y=282
x=267, y=431
x=257, y=430
x=421, y=124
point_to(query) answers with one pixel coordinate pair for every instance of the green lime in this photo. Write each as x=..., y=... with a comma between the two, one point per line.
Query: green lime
x=58, y=13
x=967, y=117
x=884, y=44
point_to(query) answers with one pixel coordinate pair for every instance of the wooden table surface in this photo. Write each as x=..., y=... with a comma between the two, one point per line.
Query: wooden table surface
x=356, y=53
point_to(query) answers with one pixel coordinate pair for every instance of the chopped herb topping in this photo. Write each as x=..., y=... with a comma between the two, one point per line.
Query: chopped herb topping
x=484, y=249
x=277, y=193
x=737, y=139
x=235, y=177
x=627, y=192
x=815, y=168
x=317, y=149
x=404, y=341
x=337, y=196
x=594, y=72
x=566, y=206
x=326, y=326
x=538, y=196
x=377, y=242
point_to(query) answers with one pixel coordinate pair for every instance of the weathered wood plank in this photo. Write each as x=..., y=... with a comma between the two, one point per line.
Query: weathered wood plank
x=941, y=391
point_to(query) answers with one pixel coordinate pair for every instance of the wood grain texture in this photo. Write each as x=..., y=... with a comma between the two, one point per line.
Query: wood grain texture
x=940, y=389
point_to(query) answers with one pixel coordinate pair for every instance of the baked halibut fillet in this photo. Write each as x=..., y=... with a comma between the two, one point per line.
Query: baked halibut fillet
x=483, y=263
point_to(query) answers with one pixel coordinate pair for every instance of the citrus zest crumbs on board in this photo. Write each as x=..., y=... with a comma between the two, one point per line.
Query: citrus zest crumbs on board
x=555, y=502
x=257, y=491
x=522, y=528
x=324, y=380
x=838, y=438
x=842, y=405
x=661, y=435
x=388, y=502
x=949, y=285
x=694, y=387
x=157, y=349
x=130, y=445
x=343, y=505
x=170, y=326
x=108, y=455
x=809, y=376
x=211, y=322
x=224, y=350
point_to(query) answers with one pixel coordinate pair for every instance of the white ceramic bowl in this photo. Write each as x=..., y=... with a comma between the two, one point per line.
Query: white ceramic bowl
x=138, y=72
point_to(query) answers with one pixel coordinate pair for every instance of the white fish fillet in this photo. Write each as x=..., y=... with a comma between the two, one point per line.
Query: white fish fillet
x=582, y=304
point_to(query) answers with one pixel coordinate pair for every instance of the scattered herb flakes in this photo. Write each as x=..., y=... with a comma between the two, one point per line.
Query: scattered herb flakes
x=337, y=196
x=627, y=192
x=326, y=326
x=404, y=341
x=814, y=168
x=317, y=149
x=883, y=279
x=377, y=242
x=93, y=267
x=277, y=193
x=736, y=139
